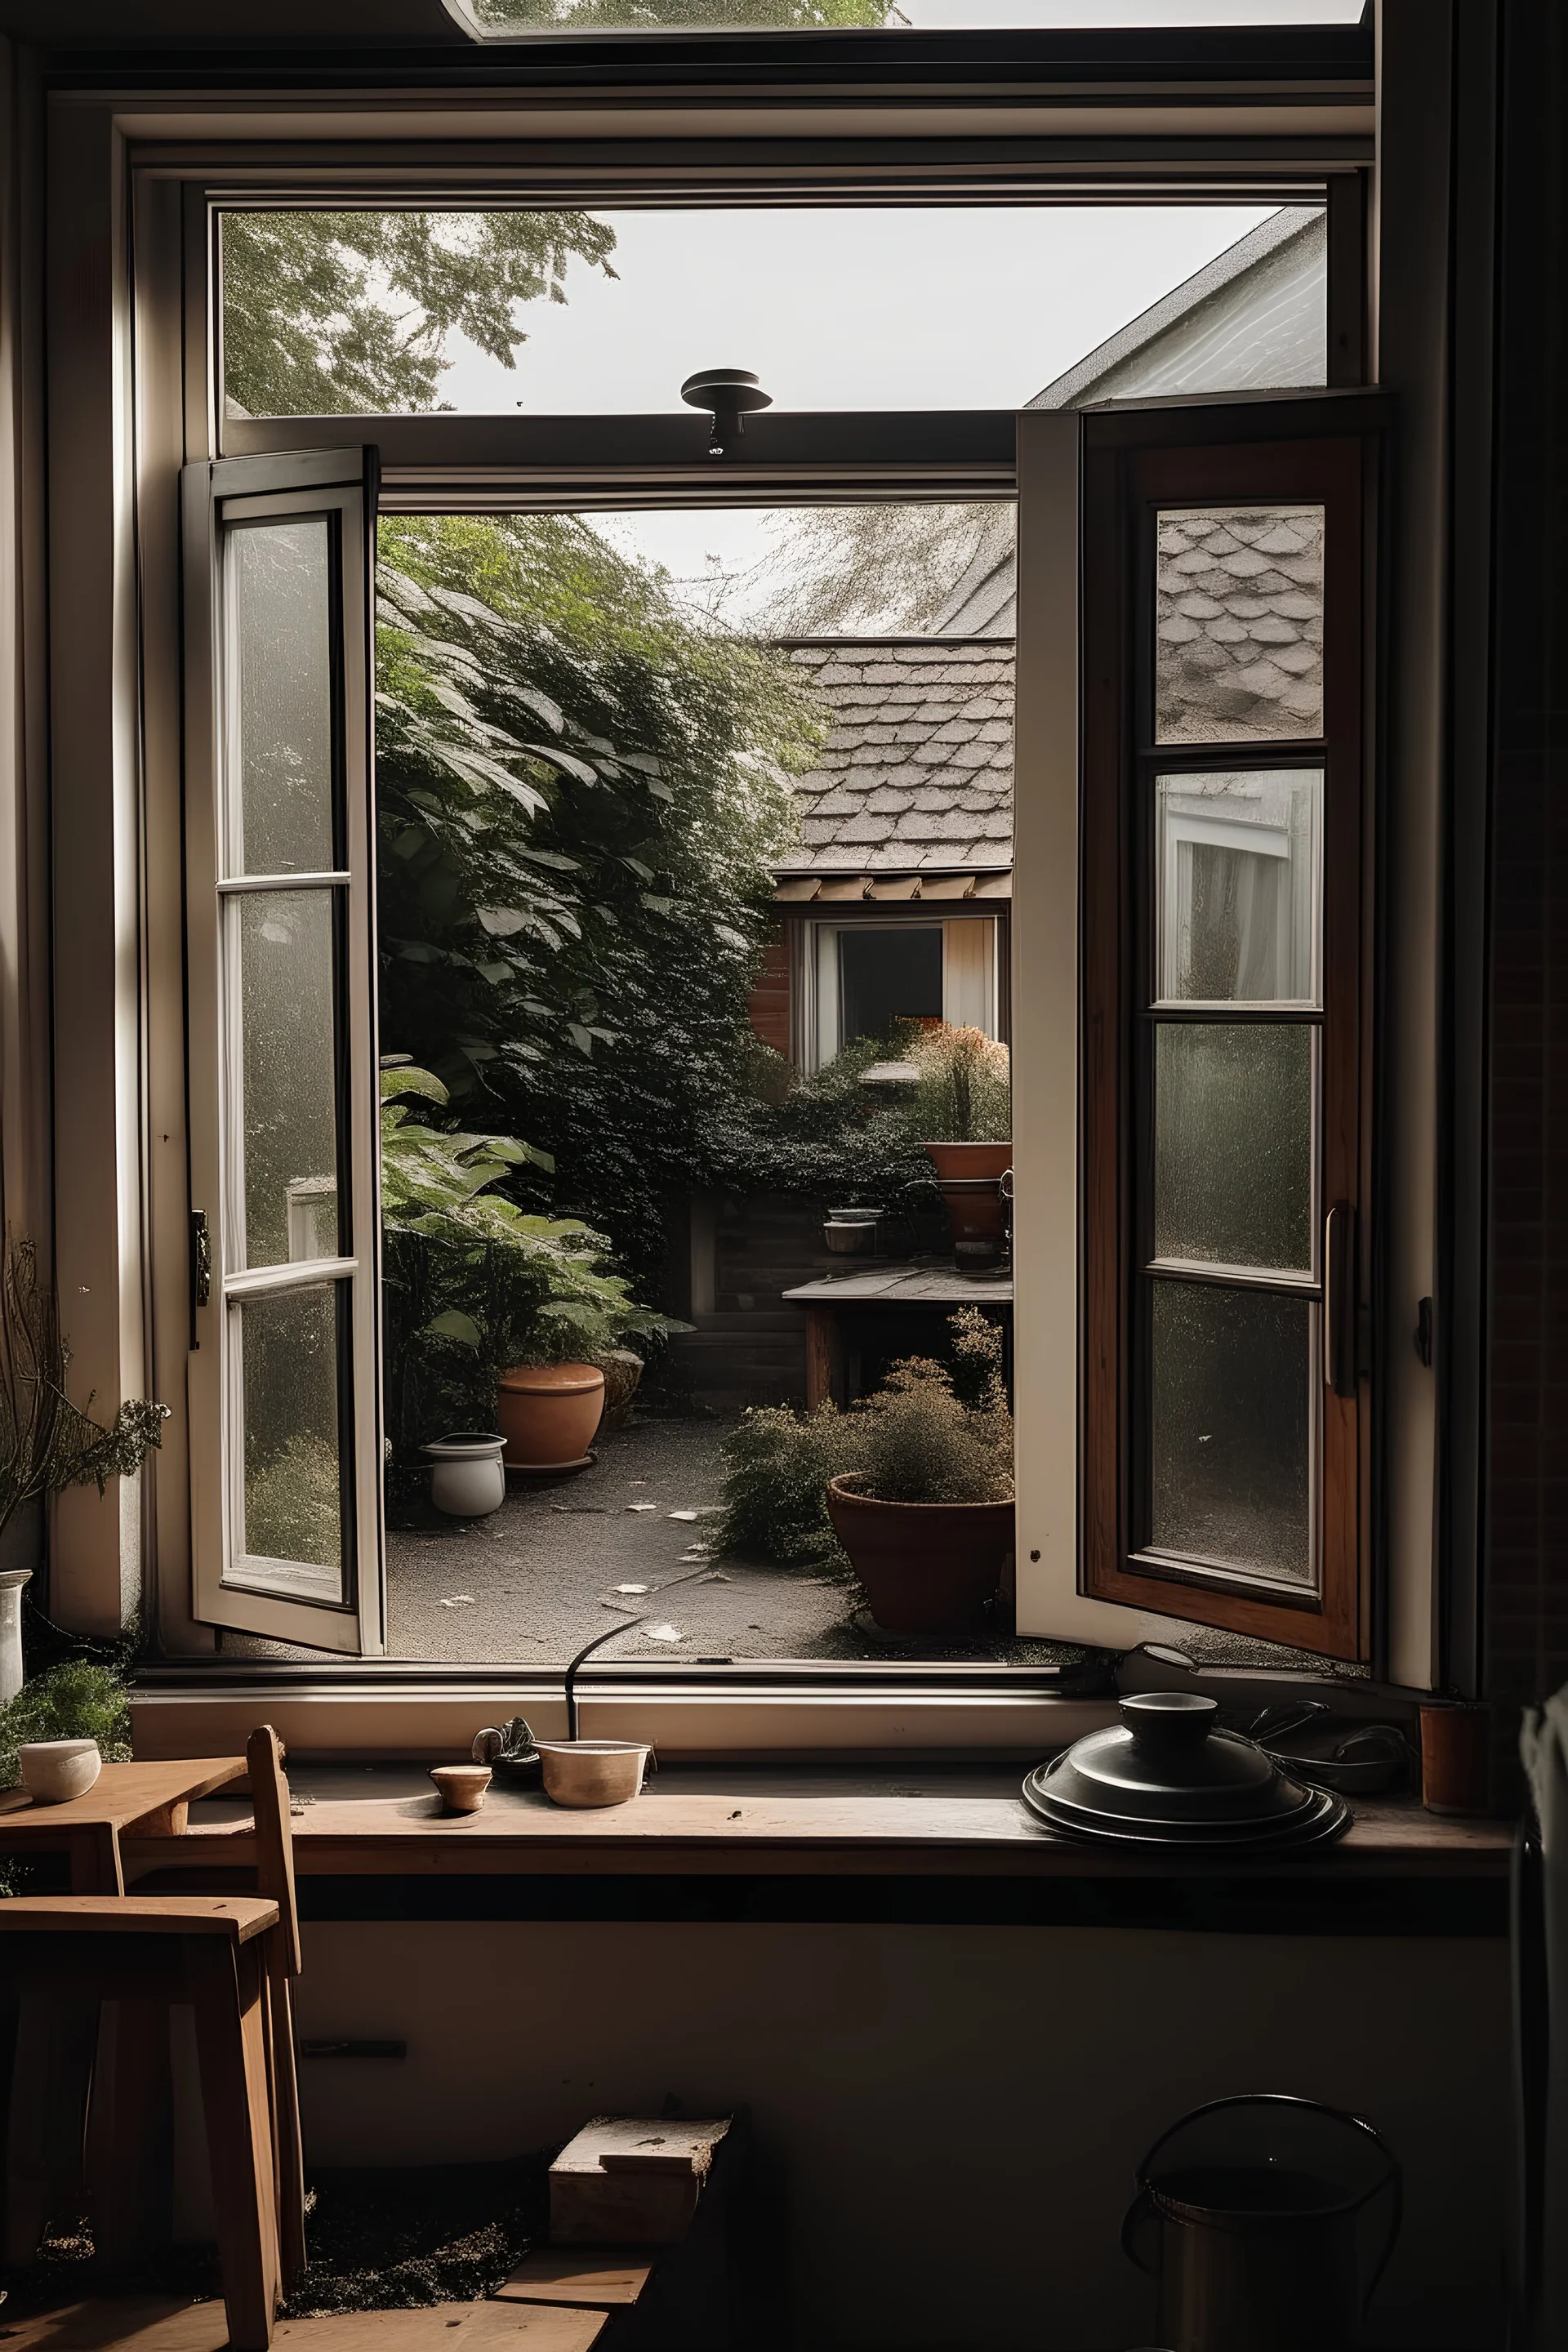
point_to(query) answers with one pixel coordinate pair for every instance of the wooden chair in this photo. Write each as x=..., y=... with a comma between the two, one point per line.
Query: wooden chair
x=120, y=2229
x=211, y=1951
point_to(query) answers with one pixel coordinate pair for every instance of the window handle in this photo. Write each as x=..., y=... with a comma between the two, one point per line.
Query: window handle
x=1339, y=1290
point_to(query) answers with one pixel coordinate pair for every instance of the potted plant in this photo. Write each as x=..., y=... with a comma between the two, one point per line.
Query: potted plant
x=493, y=1310
x=912, y=1487
x=962, y=1108
x=47, y=1442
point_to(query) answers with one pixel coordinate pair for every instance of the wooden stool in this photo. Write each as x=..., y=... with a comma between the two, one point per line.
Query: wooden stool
x=118, y=2216
x=209, y=1951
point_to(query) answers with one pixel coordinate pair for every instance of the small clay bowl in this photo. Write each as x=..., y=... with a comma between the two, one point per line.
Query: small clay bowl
x=461, y=1786
x=55, y=1770
x=592, y=1771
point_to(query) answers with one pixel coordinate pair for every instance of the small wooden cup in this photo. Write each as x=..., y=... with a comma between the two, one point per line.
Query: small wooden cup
x=1456, y=1758
x=462, y=1786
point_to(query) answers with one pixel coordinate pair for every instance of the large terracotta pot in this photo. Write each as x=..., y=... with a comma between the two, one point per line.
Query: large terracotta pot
x=928, y=1568
x=548, y=1413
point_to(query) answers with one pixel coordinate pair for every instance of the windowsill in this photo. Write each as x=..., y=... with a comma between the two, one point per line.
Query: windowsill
x=386, y=1821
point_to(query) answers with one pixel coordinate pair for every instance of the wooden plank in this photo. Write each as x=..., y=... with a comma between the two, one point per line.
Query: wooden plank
x=160, y=2323
x=237, y=1917
x=592, y=2278
x=947, y=1820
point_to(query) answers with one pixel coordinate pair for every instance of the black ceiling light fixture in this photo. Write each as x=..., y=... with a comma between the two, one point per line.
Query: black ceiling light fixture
x=728, y=394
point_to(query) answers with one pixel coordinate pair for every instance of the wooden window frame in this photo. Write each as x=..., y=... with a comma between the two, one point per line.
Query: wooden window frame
x=1322, y=449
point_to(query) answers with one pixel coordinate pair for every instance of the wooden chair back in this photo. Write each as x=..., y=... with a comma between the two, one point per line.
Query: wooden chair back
x=274, y=1838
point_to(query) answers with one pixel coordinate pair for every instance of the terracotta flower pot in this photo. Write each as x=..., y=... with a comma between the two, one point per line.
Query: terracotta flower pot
x=548, y=1413
x=928, y=1568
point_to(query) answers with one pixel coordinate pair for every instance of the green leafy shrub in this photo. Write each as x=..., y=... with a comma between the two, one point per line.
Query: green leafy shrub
x=78, y=1700
x=582, y=797
x=933, y=1433
x=824, y=1136
x=472, y=1282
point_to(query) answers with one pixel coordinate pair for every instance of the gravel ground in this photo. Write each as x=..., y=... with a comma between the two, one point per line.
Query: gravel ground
x=538, y=1580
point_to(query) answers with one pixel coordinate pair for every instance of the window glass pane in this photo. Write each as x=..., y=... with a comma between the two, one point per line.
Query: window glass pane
x=289, y=1053
x=1239, y=887
x=1239, y=624
x=1233, y=1144
x=885, y=977
x=287, y=1392
x=1232, y=1429
x=567, y=312
x=280, y=820
x=518, y=18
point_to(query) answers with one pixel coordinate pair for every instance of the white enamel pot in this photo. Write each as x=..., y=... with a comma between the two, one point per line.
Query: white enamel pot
x=468, y=1479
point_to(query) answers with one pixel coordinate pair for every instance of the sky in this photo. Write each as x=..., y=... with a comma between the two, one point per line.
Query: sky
x=897, y=306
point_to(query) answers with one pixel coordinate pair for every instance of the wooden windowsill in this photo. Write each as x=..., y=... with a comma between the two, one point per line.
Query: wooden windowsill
x=386, y=1820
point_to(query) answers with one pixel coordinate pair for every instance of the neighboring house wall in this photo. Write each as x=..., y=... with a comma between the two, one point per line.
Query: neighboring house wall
x=769, y=1005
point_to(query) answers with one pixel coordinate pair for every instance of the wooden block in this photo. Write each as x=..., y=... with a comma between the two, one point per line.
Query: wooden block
x=594, y=2282
x=645, y=2195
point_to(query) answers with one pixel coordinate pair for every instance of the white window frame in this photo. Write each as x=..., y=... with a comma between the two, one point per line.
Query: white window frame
x=121, y=1237
x=233, y=1588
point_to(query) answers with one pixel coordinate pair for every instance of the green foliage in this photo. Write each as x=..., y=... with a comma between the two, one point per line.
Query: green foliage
x=824, y=1136
x=78, y=1700
x=474, y=1283
x=777, y=1464
x=963, y=1093
x=47, y=1442
x=581, y=795
x=933, y=1433
x=689, y=16
x=327, y=314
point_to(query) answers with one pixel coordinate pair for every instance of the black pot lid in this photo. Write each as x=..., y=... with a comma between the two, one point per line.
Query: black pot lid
x=1322, y=1819
x=1168, y=1768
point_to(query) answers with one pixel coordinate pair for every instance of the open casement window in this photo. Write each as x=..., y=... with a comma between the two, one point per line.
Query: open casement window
x=285, y=1379
x=1197, y=609
x=1228, y=613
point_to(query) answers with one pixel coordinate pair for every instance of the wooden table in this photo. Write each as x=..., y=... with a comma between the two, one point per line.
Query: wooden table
x=150, y=1800
x=887, y=1288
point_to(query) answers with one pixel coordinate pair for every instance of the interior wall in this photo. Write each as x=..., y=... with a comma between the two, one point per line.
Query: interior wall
x=957, y=2111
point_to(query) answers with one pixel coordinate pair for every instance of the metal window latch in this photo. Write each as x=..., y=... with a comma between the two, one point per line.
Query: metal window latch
x=201, y=1267
x=1339, y=1287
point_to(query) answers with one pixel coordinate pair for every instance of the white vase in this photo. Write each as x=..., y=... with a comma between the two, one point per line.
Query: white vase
x=55, y=1770
x=12, y=1579
x=467, y=1480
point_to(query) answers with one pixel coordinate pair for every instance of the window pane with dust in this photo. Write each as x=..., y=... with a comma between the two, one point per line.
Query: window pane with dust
x=289, y=1049
x=1232, y=1429
x=1238, y=909
x=1239, y=624
x=291, y=1536
x=281, y=692
x=1233, y=1144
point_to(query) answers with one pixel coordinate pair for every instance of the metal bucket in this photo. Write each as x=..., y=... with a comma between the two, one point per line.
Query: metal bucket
x=1258, y=2217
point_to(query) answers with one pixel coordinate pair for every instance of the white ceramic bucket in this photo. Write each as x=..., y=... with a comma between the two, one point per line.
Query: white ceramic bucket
x=467, y=1480
x=592, y=1771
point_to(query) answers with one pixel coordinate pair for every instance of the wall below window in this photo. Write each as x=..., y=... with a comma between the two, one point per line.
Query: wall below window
x=958, y=2110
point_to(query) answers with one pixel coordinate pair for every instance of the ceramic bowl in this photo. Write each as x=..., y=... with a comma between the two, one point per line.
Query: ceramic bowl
x=592, y=1771
x=462, y=1786
x=54, y=1770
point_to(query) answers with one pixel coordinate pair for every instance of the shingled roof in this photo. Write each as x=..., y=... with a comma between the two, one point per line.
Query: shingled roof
x=916, y=779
